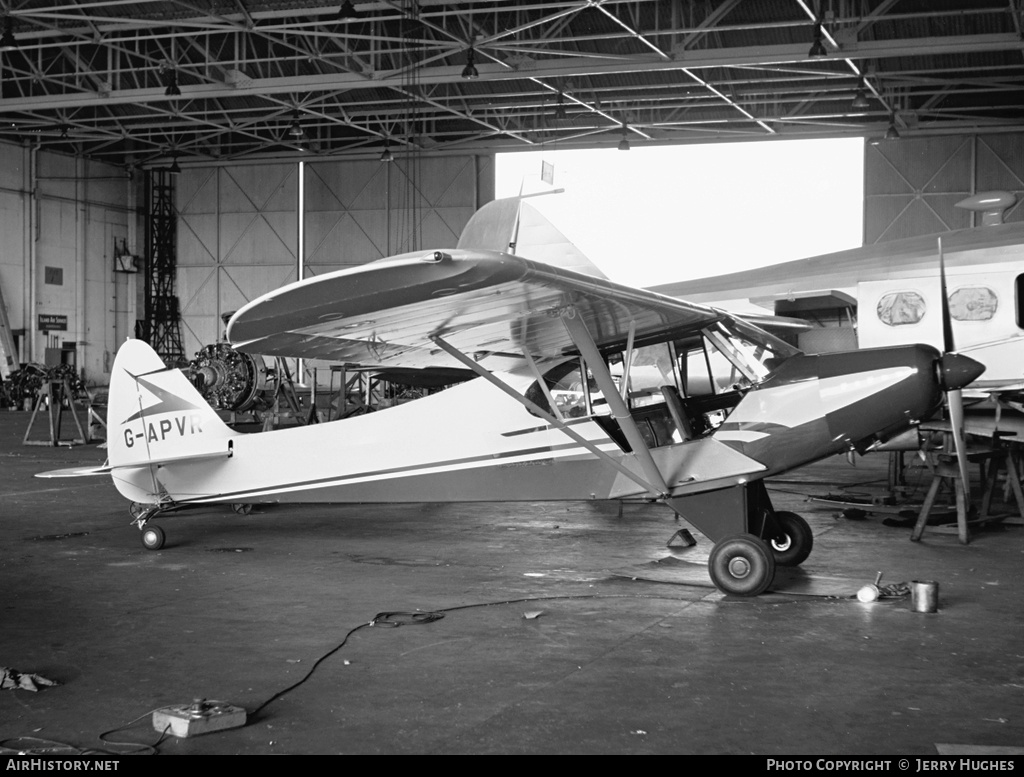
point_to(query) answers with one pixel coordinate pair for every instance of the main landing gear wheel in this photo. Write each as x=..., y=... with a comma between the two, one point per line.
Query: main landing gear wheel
x=153, y=537
x=742, y=565
x=795, y=546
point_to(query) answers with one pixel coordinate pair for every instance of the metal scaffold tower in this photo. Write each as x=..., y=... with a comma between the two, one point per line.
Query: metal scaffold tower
x=162, y=325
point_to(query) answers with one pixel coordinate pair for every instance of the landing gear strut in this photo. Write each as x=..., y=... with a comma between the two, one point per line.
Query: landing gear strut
x=153, y=537
x=750, y=537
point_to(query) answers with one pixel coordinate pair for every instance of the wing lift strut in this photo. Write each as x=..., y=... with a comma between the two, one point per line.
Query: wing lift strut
x=649, y=478
x=556, y=422
x=731, y=517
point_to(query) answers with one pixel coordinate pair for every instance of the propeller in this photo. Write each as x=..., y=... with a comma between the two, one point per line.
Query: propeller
x=956, y=371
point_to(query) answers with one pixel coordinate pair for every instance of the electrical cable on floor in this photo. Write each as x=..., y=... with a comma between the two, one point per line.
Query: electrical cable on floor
x=381, y=619
x=395, y=619
x=140, y=748
x=389, y=619
x=22, y=746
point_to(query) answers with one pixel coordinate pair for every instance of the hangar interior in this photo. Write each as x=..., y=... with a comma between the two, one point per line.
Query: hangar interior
x=164, y=163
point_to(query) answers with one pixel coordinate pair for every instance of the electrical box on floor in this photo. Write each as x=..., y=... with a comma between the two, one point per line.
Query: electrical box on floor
x=199, y=717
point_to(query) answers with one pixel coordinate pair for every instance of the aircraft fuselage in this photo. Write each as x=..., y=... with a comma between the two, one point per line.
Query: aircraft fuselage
x=474, y=443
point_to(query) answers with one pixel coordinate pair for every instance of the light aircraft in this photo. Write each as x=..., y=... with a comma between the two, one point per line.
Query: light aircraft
x=586, y=390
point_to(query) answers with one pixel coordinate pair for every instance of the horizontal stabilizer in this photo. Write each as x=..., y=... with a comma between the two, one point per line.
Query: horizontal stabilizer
x=75, y=472
x=106, y=469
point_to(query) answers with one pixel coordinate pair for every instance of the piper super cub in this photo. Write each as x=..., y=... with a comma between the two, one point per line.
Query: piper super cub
x=586, y=390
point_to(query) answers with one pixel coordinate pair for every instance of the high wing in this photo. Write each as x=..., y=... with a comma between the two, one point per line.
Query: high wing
x=484, y=303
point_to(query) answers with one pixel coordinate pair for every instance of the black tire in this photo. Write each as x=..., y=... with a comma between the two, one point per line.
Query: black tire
x=241, y=508
x=792, y=549
x=742, y=565
x=153, y=537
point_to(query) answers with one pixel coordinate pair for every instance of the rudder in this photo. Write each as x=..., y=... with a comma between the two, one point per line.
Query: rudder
x=154, y=414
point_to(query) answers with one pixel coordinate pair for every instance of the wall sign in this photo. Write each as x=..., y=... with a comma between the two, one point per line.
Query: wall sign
x=49, y=322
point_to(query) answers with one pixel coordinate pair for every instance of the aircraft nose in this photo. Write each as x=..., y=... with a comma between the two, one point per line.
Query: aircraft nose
x=957, y=370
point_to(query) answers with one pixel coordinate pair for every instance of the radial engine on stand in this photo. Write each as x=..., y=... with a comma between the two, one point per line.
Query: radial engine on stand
x=231, y=380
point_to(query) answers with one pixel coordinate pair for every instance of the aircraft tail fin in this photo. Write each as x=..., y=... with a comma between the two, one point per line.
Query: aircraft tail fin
x=514, y=226
x=155, y=415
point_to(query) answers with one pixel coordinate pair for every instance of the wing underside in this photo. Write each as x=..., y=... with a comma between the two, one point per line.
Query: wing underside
x=483, y=303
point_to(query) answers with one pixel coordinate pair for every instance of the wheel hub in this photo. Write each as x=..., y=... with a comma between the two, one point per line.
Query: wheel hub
x=782, y=545
x=739, y=567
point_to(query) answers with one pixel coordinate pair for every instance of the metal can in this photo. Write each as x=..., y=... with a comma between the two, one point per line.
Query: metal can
x=924, y=596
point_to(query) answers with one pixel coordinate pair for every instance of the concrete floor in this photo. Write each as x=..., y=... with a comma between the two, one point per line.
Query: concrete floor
x=239, y=608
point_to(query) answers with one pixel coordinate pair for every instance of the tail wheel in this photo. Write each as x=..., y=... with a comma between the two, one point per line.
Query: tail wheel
x=794, y=546
x=153, y=538
x=742, y=565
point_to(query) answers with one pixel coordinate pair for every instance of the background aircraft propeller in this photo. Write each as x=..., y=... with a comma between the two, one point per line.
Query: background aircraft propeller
x=956, y=371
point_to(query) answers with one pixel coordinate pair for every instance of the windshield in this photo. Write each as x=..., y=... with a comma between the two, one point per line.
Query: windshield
x=752, y=352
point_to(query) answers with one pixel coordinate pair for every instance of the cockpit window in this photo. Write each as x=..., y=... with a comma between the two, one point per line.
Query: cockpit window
x=565, y=385
x=752, y=353
x=651, y=367
x=726, y=357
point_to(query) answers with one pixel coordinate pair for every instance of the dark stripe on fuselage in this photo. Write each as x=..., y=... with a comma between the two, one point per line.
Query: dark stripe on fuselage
x=534, y=429
x=311, y=485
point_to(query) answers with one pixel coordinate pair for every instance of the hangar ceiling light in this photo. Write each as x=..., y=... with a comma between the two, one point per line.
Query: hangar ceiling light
x=818, y=46
x=470, y=71
x=346, y=12
x=171, y=81
x=860, y=99
x=624, y=143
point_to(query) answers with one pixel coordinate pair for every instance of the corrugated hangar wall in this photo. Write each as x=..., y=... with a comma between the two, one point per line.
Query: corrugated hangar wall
x=61, y=218
x=911, y=185
x=238, y=226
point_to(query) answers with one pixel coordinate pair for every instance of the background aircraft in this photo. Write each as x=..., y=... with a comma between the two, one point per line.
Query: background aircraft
x=889, y=293
x=546, y=420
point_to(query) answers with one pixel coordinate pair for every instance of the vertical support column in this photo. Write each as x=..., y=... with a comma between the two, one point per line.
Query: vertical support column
x=81, y=259
x=32, y=276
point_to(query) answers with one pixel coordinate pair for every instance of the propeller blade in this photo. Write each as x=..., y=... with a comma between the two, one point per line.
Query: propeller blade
x=947, y=321
x=957, y=371
x=956, y=418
